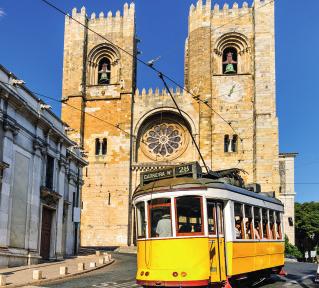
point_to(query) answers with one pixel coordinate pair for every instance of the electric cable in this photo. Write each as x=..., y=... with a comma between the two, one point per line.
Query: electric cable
x=152, y=67
x=142, y=61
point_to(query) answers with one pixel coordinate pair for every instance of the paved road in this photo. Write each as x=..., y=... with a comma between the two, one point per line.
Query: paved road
x=299, y=275
x=121, y=274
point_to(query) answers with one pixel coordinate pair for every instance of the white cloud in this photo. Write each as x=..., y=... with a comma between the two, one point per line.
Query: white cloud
x=2, y=12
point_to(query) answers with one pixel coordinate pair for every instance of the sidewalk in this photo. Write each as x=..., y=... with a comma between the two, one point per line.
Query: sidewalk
x=23, y=276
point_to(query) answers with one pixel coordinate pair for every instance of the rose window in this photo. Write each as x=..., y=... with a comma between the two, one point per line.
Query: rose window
x=164, y=140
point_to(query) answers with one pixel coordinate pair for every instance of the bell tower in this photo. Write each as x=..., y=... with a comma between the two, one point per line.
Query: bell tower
x=230, y=65
x=98, y=87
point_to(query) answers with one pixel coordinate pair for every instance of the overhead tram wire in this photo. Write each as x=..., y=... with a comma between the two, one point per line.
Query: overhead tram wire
x=116, y=126
x=142, y=61
x=78, y=109
x=73, y=107
x=234, y=19
x=151, y=66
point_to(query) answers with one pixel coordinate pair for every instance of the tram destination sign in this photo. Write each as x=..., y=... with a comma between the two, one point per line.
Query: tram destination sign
x=191, y=169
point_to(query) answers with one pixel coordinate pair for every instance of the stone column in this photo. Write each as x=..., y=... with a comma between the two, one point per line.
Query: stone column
x=10, y=130
x=59, y=212
x=70, y=225
x=34, y=224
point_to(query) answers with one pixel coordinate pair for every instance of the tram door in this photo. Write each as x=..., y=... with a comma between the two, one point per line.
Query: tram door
x=216, y=241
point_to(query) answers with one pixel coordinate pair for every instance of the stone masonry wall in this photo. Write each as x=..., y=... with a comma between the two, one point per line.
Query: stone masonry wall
x=107, y=115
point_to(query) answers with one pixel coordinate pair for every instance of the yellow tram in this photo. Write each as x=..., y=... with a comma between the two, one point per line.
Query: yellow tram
x=195, y=231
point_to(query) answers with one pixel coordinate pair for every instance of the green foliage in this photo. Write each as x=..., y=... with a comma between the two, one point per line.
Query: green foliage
x=307, y=225
x=291, y=249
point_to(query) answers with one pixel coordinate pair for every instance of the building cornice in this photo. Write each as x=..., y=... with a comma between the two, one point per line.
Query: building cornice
x=288, y=154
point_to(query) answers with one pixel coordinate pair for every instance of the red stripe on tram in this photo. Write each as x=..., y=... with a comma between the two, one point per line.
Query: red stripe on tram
x=173, y=283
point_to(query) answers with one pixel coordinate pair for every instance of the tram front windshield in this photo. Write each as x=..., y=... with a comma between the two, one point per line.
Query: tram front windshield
x=188, y=217
x=160, y=218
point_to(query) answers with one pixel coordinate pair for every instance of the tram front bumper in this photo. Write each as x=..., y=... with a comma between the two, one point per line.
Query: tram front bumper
x=195, y=283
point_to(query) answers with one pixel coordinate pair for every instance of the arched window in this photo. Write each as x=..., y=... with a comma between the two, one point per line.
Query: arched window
x=104, y=146
x=230, y=61
x=97, y=146
x=230, y=143
x=226, y=143
x=234, y=143
x=104, y=71
x=104, y=66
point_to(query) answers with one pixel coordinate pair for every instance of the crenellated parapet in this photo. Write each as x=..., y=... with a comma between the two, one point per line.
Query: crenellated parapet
x=233, y=11
x=109, y=22
x=157, y=93
x=201, y=13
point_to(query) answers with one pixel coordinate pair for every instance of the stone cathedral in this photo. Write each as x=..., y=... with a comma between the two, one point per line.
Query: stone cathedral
x=230, y=110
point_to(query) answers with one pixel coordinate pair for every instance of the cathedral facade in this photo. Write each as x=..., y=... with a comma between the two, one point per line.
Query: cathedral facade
x=230, y=109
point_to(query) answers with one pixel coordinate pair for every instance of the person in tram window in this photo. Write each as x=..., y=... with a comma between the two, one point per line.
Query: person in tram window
x=271, y=231
x=164, y=227
x=278, y=231
x=197, y=227
x=186, y=227
x=248, y=229
x=257, y=230
x=238, y=229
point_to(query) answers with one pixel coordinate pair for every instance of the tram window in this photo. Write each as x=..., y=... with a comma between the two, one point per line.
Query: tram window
x=239, y=227
x=272, y=225
x=278, y=225
x=220, y=219
x=265, y=223
x=160, y=218
x=248, y=221
x=211, y=214
x=257, y=223
x=141, y=224
x=189, y=216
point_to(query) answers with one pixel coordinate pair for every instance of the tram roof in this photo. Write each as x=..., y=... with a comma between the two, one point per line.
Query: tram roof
x=164, y=185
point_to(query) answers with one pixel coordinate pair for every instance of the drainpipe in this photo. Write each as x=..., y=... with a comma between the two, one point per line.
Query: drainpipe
x=76, y=224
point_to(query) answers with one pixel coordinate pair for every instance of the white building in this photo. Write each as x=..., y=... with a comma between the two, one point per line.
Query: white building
x=288, y=193
x=41, y=179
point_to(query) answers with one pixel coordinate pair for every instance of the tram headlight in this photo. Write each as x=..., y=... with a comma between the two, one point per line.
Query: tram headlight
x=147, y=273
x=184, y=274
x=142, y=273
x=175, y=274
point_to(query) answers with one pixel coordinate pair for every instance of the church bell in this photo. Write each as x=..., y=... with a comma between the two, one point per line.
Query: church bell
x=230, y=69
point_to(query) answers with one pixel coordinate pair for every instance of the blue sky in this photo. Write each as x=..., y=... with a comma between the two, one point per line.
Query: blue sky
x=32, y=47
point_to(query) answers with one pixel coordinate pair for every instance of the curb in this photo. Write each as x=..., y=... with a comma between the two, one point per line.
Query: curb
x=22, y=268
x=47, y=281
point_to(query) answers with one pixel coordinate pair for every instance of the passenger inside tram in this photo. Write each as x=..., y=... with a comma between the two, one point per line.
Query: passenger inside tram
x=278, y=222
x=238, y=229
x=160, y=218
x=272, y=232
x=265, y=224
x=257, y=230
x=239, y=221
x=248, y=229
x=257, y=223
x=164, y=226
x=186, y=227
